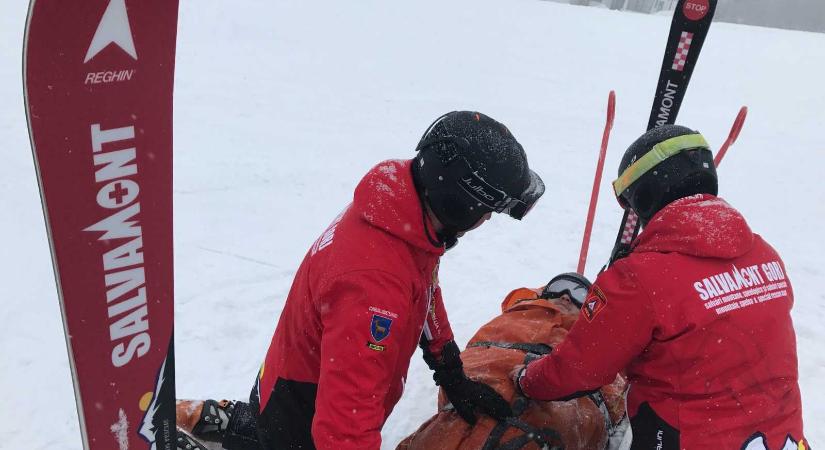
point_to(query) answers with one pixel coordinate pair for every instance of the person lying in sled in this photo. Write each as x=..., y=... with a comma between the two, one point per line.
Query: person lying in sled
x=531, y=323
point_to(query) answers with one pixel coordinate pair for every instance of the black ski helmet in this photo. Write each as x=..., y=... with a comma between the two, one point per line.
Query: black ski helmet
x=469, y=165
x=663, y=165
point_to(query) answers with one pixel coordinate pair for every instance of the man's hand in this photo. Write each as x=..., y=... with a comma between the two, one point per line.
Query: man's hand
x=465, y=394
x=516, y=375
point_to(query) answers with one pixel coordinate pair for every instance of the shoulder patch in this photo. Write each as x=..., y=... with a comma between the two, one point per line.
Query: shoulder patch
x=594, y=304
x=380, y=327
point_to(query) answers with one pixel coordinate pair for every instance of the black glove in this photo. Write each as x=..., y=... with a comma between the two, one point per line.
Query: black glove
x=465, y=394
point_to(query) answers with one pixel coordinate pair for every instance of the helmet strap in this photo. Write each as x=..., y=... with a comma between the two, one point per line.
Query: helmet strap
x=446, y=238
x=660, y=152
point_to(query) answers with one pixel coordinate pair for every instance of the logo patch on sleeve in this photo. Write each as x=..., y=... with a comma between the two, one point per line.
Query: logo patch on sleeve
x=380, y=327
x=594, y=304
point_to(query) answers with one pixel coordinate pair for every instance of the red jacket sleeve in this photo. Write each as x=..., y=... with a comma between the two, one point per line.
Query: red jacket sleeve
x=356, y=378
x=437, y=330
x=615, y=326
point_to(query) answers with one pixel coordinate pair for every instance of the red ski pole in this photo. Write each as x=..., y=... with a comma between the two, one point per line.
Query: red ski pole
x=594, y=194
x=734, y=133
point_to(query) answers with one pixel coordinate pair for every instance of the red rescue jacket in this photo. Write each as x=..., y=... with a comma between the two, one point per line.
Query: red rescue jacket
x=699, y=317
x=364, y=294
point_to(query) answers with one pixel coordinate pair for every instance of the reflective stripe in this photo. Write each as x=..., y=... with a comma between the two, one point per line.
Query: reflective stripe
x=660, y=152
x=538, y=349
x=427, y=333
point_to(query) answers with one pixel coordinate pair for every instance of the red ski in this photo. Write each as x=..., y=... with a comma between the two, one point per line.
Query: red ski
x=98, y=78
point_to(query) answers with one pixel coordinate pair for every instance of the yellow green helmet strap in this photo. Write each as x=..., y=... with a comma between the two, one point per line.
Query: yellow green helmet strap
x=660, y=152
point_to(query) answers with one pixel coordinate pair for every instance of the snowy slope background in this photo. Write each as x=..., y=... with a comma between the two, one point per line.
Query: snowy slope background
x=282, y=106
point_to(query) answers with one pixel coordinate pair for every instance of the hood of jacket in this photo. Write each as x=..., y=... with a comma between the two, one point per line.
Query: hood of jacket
x=700, y=225
x=387, y=199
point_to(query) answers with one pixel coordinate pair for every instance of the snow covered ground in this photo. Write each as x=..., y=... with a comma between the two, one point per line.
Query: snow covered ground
x=281, y=106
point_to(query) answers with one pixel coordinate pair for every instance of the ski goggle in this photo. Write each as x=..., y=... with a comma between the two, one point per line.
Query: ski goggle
x=660, y=152
x=567, y=284
x=493, y=199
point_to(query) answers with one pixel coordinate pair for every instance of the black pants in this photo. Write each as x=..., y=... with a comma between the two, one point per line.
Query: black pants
x=242, y=433
x=650, y=432
x=284, y=424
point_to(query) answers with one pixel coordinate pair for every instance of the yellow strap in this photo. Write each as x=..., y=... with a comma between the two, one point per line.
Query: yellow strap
x=660, y=152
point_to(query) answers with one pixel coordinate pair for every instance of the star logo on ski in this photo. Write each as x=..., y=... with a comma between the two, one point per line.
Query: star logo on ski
x=594, y=304
x=113, y=29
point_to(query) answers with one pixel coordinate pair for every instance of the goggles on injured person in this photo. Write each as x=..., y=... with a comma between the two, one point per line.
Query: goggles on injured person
x=572, y=284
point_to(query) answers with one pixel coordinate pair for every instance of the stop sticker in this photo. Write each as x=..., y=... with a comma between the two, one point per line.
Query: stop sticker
x=696, y=9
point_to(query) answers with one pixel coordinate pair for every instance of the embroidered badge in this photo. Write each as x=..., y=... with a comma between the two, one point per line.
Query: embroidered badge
x=376, y=347
x=594, y=304
x=380, y=327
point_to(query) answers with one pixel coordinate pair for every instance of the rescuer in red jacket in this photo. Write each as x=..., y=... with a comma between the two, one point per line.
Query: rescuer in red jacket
x=366, y=295
x=698, y=315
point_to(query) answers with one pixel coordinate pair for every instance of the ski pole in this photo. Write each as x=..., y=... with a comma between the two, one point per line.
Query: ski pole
x=732, y=136
x=594, y=194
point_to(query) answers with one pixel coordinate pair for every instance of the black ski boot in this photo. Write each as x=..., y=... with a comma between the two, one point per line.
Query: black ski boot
x=205, y=420
x=186, y=441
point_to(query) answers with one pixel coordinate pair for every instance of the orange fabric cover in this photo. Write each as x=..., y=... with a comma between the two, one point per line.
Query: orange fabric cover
x=525, y=318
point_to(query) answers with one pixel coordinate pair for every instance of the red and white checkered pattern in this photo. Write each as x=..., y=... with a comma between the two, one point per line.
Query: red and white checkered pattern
x=629, y=227
x=682, y=51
